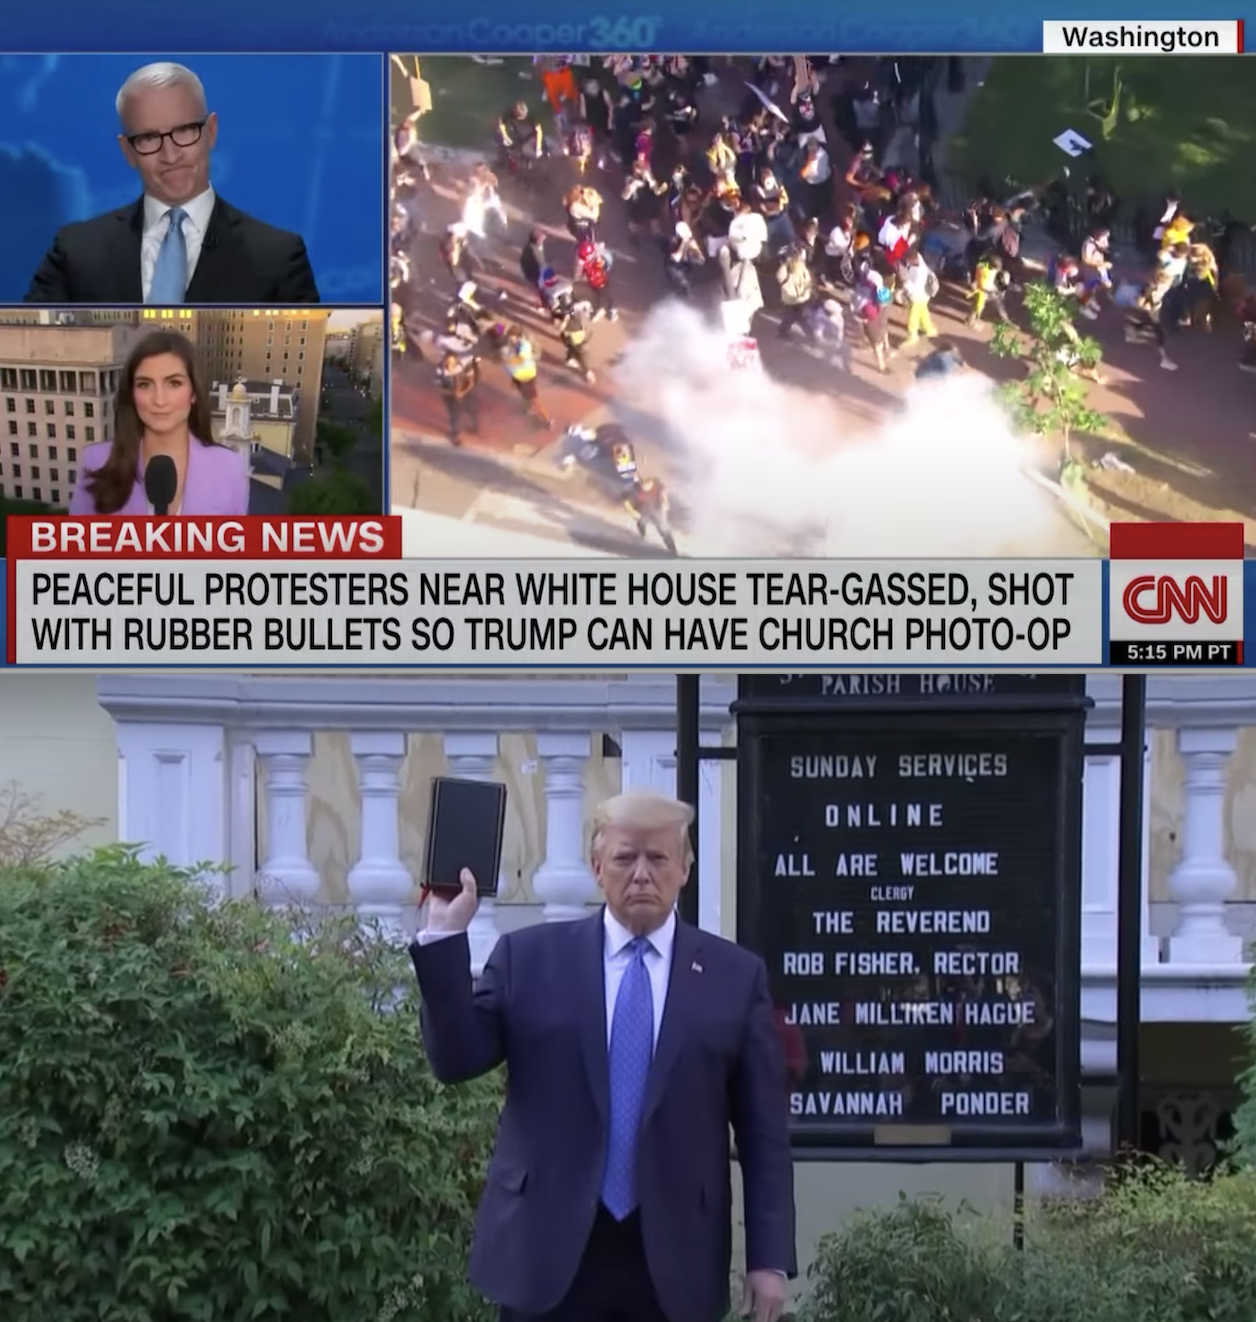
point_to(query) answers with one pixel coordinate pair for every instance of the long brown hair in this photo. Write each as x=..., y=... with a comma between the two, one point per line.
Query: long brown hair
x=112, y=483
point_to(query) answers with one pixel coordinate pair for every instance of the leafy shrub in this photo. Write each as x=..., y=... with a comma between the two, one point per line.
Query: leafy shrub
x=1245, y=1115
x=212, y=1113
x=28, y=834
x=1154, y=1247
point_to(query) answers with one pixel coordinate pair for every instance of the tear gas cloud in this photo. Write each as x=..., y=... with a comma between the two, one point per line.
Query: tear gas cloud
x=772, y=469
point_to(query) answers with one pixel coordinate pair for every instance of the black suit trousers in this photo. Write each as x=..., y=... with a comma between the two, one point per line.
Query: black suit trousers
x=613, y=1282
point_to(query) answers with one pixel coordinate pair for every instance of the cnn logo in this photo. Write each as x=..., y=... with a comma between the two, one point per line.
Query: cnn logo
x=1159, y=598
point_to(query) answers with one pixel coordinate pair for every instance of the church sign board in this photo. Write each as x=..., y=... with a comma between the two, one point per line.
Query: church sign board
x=909, y=867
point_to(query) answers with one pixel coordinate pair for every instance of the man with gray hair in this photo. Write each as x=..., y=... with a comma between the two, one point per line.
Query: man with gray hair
x=632, y=1042
x=180, y=242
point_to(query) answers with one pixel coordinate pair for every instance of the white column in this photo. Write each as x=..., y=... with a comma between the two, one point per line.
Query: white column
x=1203, y=880
x=172, y=792
x=287, y=876
x=1101, y=856
x=473, y=757
x=564, y=882
x=379, y=883
x=649, y=763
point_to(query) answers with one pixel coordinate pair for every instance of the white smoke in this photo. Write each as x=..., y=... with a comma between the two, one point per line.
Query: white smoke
x=771, y=469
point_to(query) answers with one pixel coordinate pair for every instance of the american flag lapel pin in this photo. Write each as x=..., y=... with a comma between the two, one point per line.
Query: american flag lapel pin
x=696, y=967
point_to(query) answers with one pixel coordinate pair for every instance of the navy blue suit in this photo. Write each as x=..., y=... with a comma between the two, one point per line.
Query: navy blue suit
x=540, y=1007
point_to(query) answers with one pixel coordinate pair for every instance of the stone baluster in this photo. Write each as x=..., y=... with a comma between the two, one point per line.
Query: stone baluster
x=564, y=882
x=287, y=876
x=473, y=757
x=1203, y=879
x=379, y=883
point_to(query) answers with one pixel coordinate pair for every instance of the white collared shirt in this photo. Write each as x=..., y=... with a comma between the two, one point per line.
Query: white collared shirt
x=157, y=226
x=658, y=964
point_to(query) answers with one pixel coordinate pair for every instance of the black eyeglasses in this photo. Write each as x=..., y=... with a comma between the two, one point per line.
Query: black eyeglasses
x=184, y=135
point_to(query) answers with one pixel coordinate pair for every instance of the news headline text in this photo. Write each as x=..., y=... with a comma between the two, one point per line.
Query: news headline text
x=809, y=613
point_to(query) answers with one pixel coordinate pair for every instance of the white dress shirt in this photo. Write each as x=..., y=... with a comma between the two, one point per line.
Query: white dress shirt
x=658, y=964
x=157, y=226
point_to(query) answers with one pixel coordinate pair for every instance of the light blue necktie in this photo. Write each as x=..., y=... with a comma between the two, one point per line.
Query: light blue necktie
x=170, y=277
x=631, y=1050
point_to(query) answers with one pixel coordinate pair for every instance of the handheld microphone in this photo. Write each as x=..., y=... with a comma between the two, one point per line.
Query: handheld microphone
x=161, y=481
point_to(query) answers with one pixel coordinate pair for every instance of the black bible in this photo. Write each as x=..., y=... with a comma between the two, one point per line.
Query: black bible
x=466, y=829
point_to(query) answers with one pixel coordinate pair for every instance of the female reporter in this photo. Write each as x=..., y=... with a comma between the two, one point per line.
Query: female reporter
x=162, y=413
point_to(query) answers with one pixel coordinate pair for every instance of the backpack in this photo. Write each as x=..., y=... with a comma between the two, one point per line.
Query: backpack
x=796, y=287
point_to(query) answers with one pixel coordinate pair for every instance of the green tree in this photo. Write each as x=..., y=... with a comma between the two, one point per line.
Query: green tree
x=337, y=491
x=375, y=419
x=1052, y=399
x=335, y=439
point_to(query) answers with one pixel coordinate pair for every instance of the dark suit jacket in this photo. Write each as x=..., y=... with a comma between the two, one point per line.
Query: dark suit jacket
x=243, y=262
x=540, y=1007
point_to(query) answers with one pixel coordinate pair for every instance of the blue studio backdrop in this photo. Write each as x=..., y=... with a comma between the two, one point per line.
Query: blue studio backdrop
x=301, y=145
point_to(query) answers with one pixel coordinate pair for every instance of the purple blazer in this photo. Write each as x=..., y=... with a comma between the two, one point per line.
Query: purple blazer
x=216, y=482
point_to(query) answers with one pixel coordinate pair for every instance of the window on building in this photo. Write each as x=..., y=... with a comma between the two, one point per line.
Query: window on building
x=32, y=429
x=72, y=454
x=37, y=494
x=54, y=475
x=72, y=478
x=89, y=410
x=51, y=429
x=87, y=383
x=10, y=404
x=35, y=474
x=17, y=470
x=47, y=380
x=52, y=450
x=30, y=406
x=69, y=436
x=17, y=493
x=12, y=426
x=32, y=451
x=56, y=496
x=67, y=381
x=14, y=449
x=28, y=378
x=50, y=407
x=69, y=408
x=8, y=378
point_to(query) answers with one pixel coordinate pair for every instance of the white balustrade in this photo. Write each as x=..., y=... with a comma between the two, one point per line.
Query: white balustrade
x=192, y=747
x=564, y=882
x=379, y=882
x=1204, y=880
x=286, y=875
x=474, y=757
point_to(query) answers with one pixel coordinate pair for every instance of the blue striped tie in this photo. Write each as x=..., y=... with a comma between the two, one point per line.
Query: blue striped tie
x=631, y=1051
x=170, y=277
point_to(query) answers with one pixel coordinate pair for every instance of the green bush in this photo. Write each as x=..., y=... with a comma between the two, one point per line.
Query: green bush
x=211, y=1113
x=1245, y=1114
x=1155, y=1247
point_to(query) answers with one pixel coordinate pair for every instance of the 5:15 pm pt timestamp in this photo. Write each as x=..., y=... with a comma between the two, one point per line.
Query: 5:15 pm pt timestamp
x=1140, y=654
